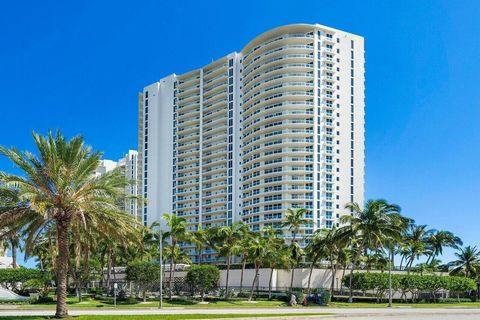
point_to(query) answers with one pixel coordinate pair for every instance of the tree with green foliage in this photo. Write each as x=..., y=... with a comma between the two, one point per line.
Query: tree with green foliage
x=438, y=240
x=294, y=219
x=258, y=251
x=58, y=188
x=276, y=255
x=229, y=237
x=177, y=232
x=241, y=250
x=199, y=238
x=468, y=260
x=203, y=278
x=374, y=226
x=142, y=274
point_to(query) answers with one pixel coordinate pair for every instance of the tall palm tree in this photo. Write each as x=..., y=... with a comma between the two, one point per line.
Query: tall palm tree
x=177, y=232
x=315, y=250
x=258, y=250
x=241, y=249
x=58, y=188
x=294, y=219
x=416, y=238
x=296, y=254
x=437, y=240
x=468, y=260
x=333, y=244
x=275, y=255
x=11, y=238
x=199, y=238
x=371, y=227
x=229, y=238
x=176, y=255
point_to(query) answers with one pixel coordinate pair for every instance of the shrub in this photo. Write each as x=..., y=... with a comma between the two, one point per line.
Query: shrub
x=25, y=280
x=203, y=278
x=142, y=274
x=379, y=283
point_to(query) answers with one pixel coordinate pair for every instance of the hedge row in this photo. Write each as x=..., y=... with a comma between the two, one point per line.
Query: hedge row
x=414, y=284
x=21, y=275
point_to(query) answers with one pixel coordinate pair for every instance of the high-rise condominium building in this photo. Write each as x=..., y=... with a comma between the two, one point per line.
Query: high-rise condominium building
x=128, y=166
x=279, y=124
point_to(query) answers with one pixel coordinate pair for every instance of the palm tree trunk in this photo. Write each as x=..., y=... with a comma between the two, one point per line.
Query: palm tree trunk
x=253, y=283
x=270, y=284
x=241, y=274
x=173, y=274
x=343, y=276
x=310, y=276
x=170, y=281
x=14, y=253
x=354, y=262
x=109, y=266
x=410, y=263
x=334, y=271
x=200, y=254
x=226, y=280
x=293, y=268
x=291, y=278
x=62, y=267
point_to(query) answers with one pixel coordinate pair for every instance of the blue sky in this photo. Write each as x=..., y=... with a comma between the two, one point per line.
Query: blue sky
x=78, y=66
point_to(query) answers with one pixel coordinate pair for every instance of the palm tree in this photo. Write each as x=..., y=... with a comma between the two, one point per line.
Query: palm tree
x=438, y=240
x=11, y=235
x=11, y=238
x=275, y=255
x=58, y=188
x=371, y=227
x=296, y=254
x=416, y=239
x=258, y=250
x=229, y=237
x=315, y=250
x=333, y=245
x=176, y=255
x=177, y=232
x=468, y=260
x=241, y=249
x=199, y=238
x=294, y=220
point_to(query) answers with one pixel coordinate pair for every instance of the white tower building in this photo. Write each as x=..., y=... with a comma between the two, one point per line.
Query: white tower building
x=279, y=124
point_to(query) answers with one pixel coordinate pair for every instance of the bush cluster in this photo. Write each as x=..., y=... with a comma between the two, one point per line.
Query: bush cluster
x=413, y=284
x=22, y=279
x=203, y=278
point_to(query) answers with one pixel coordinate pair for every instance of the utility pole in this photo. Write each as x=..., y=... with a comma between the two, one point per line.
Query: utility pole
x=160, y=248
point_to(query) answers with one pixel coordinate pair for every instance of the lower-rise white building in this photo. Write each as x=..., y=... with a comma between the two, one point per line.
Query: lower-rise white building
x=128, y=165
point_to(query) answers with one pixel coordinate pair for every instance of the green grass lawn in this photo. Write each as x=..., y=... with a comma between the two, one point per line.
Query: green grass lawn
x=108, y=303
x=172, y=316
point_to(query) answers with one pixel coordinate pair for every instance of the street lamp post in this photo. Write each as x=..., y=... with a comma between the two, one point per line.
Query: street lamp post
x=390, y=255
x=160, y=236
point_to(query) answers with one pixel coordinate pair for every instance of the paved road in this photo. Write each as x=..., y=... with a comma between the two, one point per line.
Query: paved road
x=347, y=313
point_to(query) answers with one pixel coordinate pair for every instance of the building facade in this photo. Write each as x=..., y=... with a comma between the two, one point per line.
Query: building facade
x=128, y=165
x=279, y=124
